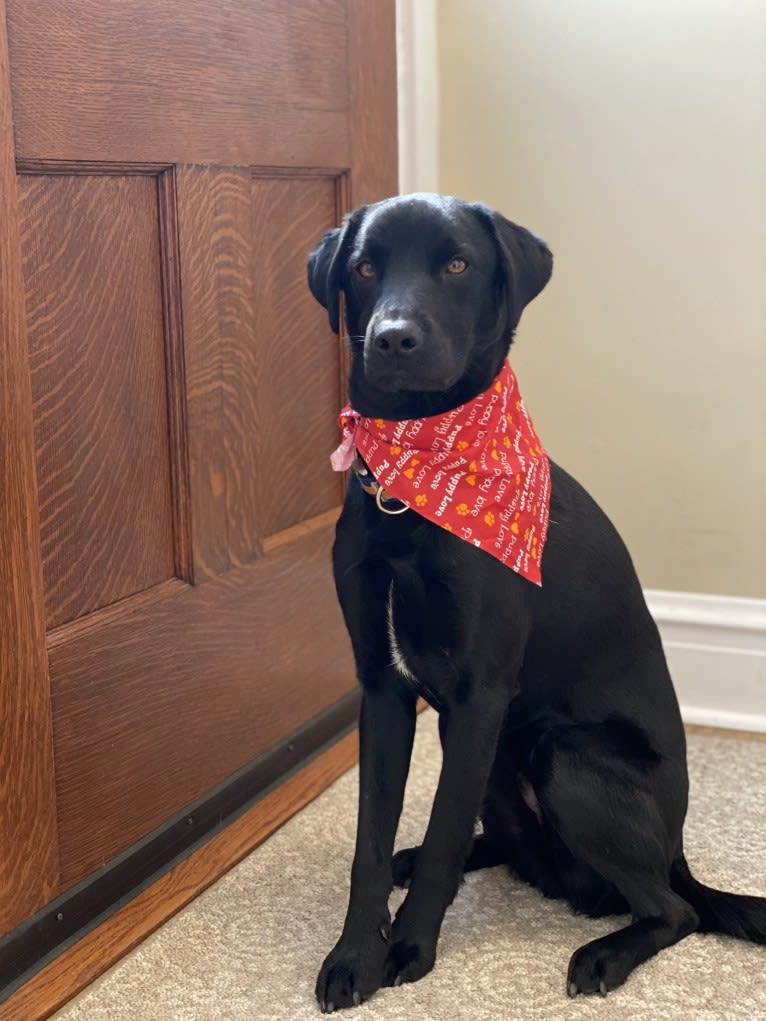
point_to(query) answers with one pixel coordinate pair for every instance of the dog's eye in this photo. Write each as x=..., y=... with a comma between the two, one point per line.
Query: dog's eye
x=457, y=265
x=365, y=269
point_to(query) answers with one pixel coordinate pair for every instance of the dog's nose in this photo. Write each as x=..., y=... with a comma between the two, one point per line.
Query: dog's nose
x=397, y=337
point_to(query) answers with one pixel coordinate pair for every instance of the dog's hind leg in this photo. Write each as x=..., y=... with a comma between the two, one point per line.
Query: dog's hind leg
x=735, y=914
x=484, y=854
x=618, y=807
x=511, y=829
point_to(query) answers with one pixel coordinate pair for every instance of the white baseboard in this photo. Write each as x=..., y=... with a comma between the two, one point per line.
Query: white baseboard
x=716, y=650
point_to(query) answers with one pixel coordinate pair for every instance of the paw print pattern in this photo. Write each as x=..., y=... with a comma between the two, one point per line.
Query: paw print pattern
x=478, y=471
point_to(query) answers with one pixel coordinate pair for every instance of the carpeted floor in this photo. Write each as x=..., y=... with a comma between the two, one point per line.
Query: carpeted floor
x=249, y=948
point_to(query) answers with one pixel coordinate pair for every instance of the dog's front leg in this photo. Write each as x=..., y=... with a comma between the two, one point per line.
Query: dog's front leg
x=354, y=968
x=470, y=740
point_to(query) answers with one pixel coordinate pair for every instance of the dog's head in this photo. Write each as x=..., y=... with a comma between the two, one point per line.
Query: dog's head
x=434, y=288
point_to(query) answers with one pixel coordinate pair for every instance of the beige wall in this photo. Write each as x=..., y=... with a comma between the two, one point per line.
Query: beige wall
x=632, y=136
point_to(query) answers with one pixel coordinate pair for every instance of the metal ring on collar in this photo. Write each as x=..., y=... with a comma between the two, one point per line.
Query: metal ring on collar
x=380, y=496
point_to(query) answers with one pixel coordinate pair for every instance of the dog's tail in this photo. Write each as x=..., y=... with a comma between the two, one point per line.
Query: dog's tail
x=732, y=913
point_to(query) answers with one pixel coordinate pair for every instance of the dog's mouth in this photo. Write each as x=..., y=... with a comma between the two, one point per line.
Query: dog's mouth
x=404, y=380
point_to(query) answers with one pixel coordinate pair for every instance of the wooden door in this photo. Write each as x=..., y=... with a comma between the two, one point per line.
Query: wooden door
x=168, y=391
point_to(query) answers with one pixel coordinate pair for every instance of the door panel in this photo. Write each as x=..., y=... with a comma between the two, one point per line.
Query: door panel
x=170, y=698
x=173, y=616
x=215, y=246
x=241, y=83
x=299, y=362
x=91, y=259
x=186, y=683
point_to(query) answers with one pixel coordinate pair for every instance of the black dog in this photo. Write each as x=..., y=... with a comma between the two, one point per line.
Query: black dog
x=559, y=724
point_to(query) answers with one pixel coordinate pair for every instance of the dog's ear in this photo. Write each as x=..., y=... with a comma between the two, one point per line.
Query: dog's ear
x=527, y=262
x=326, y=262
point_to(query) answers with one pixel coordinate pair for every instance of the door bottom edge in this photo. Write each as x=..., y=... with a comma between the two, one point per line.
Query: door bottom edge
x=66, y=945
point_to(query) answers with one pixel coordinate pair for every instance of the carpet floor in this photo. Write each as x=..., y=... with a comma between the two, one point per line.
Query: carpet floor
x=249, y=948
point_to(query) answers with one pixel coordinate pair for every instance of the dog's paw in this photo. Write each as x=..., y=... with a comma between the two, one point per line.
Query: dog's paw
x=597, y=968
x=408, y=962
x=351, y=973
x=403, y=865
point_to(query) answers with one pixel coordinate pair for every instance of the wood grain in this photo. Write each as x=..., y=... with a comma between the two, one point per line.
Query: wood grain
x=240, y=83
x=178, y=162
x=28, y=852
x=91, y=260
x=77, y=967
x=156, y=707
x=72, y=630
x=298, y=390
x=372, y=78
x=175, y=369
x=216, y=253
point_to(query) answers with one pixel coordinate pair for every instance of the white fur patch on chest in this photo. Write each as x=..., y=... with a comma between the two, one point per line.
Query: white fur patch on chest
x=397, y=658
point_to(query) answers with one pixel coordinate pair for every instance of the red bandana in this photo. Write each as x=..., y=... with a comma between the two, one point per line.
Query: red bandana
x=478, y=471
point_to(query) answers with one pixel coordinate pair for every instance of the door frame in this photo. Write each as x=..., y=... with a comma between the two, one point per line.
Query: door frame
x=29, y=873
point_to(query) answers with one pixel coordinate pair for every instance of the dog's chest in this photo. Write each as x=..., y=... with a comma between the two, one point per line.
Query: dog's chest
x=395, y=650
x=423, y=631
